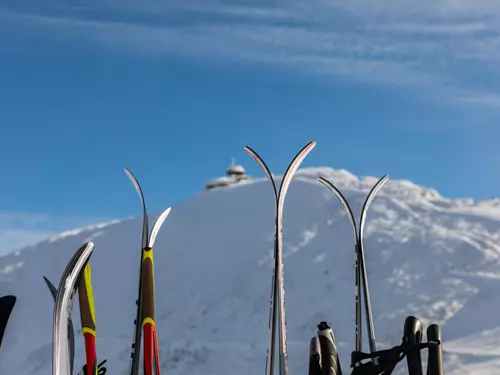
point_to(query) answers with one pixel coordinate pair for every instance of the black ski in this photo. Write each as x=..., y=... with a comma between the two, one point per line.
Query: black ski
x=6, y=306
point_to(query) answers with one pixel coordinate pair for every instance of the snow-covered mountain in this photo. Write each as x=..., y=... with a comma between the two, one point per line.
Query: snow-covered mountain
x=428, y=256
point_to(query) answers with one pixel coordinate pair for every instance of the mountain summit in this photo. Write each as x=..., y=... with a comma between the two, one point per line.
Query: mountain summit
x=426, y=255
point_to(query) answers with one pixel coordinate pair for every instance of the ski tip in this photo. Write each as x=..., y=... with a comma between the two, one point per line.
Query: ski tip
x=166, y=212
x=9, y=297
x=88, y=246
x=308, y=147
x=328, y=184
x=157, y=225
x=381, y=182
x=130, y=175
x=52, y=288
x=323, y=180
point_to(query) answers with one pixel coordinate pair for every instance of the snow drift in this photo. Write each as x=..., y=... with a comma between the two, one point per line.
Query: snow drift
x=426, y=255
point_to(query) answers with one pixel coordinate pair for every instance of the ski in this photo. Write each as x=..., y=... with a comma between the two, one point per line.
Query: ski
x=86, y=301
x=87, y=319
x=63, y=309
x=278, y=271
x=361, y=282
x=71, y=331
x=146, y=295
x=6, y=306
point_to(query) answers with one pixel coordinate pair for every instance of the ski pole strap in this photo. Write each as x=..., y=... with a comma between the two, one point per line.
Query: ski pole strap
x=387, y=359
x=101, y=370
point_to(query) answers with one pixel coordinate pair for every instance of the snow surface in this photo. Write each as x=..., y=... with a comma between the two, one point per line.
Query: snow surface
x=221, y=181
x=428, y=256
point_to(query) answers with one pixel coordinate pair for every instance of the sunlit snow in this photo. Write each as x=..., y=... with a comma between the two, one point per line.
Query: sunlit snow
x=428, y=256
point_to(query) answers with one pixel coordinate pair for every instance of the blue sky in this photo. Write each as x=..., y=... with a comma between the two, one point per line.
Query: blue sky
x=173, y=90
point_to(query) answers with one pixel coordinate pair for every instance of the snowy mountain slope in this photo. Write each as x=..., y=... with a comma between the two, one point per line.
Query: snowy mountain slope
x=426, y=255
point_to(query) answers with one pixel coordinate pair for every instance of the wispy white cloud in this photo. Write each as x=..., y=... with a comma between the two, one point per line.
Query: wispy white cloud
x=450, y=48
x=21, y=229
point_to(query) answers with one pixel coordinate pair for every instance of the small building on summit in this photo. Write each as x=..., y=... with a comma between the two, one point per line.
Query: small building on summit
x=235, y=170
x=234, y=175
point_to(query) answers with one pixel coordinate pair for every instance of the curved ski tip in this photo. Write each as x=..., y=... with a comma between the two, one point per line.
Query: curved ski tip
x=52, y=288
x=157, y=225
x=383, y=180
x=324, y=181
x=131, y=176
x=327, y=183
x=250, y=151
x=309, y=146
x=11, y=297
x=87, y=246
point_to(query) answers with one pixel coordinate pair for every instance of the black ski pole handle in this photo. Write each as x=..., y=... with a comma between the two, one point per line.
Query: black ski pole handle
x=412, y=335
x=323, y=355
x=435, y=358
x=314, y=357
x=330, y=364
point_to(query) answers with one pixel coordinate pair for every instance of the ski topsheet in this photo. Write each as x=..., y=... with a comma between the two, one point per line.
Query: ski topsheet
x=278, y=272
x=71, y=331
x=145, y=322
x=63, y=309
x=87, y=319
x=360, y=267
x=6, y=306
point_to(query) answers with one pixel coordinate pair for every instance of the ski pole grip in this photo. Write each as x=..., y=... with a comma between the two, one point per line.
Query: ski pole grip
x=329, y=356
x=435, y=359
x=412, y=335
